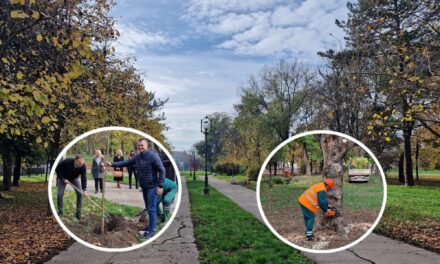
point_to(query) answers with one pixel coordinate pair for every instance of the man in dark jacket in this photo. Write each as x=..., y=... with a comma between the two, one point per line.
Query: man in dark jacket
x=151, y=173
x=69, y=170
x=169, y=169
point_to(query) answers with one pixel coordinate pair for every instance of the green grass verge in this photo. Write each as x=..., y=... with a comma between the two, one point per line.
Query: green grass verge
x=89, y=208
x=225, y=233
x=412, y=203
x=281, y=196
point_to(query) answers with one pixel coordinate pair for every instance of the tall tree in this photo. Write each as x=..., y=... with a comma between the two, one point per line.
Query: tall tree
x=401, y=39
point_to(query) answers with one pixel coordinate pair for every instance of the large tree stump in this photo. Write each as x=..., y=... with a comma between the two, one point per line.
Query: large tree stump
x=334, y=149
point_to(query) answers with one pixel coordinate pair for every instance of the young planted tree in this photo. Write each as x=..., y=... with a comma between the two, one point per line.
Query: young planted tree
x=334, y=149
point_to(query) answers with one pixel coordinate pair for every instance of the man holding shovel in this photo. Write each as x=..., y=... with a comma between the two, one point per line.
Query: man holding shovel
x=69, y=171
x=151, y=173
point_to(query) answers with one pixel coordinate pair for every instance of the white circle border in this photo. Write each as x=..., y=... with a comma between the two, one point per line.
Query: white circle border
x=113, y=128
x=314, y=132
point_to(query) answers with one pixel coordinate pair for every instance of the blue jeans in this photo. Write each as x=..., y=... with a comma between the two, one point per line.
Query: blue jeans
x=150, y=200
x=60, y=195
x=309, y=220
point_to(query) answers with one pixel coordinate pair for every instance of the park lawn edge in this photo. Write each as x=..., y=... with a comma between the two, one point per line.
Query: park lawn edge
x=225, y=233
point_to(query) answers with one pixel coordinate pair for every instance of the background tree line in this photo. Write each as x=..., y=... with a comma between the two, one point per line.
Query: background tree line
x=60, y=77
x=382, y=87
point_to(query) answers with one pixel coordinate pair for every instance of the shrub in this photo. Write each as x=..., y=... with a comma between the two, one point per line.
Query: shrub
x=359, y=163
x=252, y=172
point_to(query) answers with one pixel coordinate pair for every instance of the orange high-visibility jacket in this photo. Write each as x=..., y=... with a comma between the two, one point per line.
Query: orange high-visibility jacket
x=309, y=198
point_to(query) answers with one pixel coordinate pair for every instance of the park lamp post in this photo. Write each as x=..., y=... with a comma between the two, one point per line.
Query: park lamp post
x=205, y=128
x=194, y=164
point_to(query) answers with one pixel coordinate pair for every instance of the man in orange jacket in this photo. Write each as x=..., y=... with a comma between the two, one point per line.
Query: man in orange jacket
x=312, y=200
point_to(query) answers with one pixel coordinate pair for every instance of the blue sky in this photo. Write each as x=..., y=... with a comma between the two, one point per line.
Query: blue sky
x=199, y=53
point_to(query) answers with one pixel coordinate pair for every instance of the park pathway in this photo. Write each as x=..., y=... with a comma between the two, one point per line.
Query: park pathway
x=176, y=245
x=373, y=249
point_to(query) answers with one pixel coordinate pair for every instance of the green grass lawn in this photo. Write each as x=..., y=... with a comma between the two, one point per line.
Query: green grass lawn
x=413, y=203
x=412, y=215
x=89, y=208
x=225, y=233
x=238, y=178
x=357, y=196
x=198, y=173
x=421, y=172
x=29, y=179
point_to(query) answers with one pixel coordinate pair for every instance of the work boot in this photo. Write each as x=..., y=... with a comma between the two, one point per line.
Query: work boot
x=165, y=215
x=310, y=238
x=78, y=215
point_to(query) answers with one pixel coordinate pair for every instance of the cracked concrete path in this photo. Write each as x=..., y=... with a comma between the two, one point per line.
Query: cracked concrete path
x=373, y=249
x=176, y=245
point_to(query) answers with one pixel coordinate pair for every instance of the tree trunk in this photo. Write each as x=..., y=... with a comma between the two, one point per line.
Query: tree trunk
x=417, y=159
x=407, y=131
x=7, y=170
x=306, y=160
x=292, y=164
x=401, y=168
x=334, y=149
x=17, y=169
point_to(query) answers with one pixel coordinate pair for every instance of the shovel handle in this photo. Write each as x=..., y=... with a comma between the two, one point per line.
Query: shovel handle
x=82, y=193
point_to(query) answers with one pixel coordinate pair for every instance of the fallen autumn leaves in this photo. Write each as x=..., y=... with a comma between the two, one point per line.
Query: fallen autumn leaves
x=27, y=234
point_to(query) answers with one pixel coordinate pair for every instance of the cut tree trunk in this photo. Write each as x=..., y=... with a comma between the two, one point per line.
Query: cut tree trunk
x=334, y=149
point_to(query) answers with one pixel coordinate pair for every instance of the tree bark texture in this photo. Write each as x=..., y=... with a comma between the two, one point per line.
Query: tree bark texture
x=334, y=149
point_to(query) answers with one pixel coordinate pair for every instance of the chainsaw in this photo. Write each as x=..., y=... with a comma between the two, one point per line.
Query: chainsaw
x=334, y=212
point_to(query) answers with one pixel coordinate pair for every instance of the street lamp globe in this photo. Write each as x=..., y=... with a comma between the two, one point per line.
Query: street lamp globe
x=206, y=124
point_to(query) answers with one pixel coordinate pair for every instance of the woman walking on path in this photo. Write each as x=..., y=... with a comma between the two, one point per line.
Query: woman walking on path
x=98, y=170
x=118, y=174
x=132, y=171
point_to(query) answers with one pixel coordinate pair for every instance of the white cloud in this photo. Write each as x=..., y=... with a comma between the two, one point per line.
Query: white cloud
x=269, y=27
x=133, y=39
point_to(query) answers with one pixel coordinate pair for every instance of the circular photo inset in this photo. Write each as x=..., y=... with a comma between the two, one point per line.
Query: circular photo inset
x=321, y=191
x=114, y=189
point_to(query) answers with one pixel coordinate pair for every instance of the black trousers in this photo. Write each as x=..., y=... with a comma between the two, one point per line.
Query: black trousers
x=98, y=180
x=131, y=172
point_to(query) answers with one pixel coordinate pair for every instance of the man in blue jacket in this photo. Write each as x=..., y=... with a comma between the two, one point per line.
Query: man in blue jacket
x=151, y=172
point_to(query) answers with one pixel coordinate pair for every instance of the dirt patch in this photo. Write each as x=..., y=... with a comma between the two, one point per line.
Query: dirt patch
x=291, y=226
x=120, y=232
